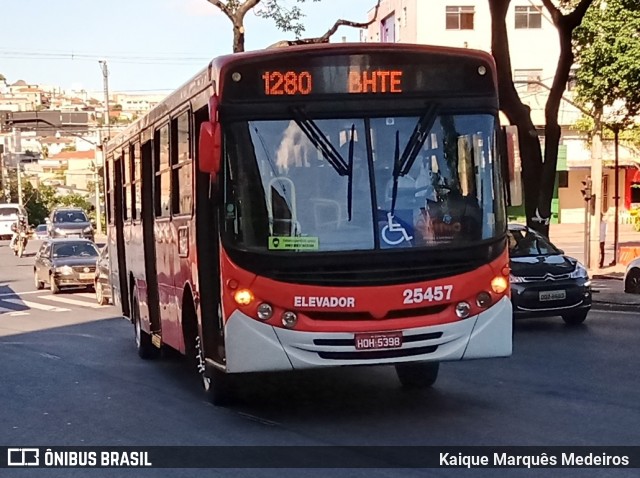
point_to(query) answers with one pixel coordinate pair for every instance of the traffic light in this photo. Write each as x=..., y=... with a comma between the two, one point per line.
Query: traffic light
x=586, y=189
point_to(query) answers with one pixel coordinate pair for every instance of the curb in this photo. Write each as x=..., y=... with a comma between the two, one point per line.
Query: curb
x=615, y=306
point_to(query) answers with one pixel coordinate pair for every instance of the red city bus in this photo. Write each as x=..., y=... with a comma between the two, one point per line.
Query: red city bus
x=315, y=206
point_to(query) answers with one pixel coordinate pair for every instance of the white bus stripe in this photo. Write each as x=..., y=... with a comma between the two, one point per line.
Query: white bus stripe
x=35, y=305
x=4, y=311
x=66, y=300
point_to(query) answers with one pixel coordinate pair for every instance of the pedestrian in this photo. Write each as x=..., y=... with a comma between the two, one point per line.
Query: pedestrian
x=603, y=238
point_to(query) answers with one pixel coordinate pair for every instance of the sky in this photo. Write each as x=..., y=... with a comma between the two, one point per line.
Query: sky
x=149, y=45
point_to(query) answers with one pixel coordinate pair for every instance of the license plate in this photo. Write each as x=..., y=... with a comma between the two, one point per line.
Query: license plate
x=86, y=275
x=552, y=295
x=386, y=340
x=74, y=235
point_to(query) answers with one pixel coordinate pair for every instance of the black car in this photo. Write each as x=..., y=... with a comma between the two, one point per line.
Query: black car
x=69, y=222
x=544, y=281
x=102, y=285
x=65, y=263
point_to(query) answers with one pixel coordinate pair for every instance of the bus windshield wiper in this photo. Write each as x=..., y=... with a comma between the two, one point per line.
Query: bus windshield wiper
x=315, y=135
x=350, y=166
x=402, y=163
x=329, y=152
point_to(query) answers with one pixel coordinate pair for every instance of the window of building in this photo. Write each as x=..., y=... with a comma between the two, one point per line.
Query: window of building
x=572, y=81
x=460, y=18
x=528, y=79
x=388, y=29
x=528, y=17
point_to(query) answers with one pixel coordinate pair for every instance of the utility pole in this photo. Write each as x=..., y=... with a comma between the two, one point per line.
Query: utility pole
x=616, y=197
x=105, y=78
x=17, y=148
x=593, y=260
x=97, y=180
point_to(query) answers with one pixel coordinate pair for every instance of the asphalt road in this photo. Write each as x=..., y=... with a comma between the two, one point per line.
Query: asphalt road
x=70, y=376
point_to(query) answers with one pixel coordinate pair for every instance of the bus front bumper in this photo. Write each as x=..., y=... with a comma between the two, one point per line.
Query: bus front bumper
x=253, y=346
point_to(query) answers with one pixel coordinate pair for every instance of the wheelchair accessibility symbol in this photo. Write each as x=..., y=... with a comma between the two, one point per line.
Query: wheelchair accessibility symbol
x=394, y=233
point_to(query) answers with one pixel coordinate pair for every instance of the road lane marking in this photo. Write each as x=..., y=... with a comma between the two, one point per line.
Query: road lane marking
x=36, y=305
x=66, y=300
x=18, y=294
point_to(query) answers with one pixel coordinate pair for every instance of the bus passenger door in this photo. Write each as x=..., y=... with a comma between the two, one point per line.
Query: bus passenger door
x=165, y=239
x=120, y=263
x=152, y=299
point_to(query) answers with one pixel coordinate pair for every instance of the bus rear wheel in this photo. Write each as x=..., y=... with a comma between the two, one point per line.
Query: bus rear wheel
x=144, y=345
x=418, y=375
x=218, y=386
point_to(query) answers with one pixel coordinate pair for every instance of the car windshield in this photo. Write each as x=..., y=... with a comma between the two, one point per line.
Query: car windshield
x=8, y=211
x=76, y=249
x=41, y=228
x=526, y=243
x=69, y=216
x=363, y=183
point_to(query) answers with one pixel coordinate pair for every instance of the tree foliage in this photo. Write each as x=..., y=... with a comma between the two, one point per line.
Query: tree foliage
x=539, y=173
x=287, y=18
x=607, y=48
x=41, y=201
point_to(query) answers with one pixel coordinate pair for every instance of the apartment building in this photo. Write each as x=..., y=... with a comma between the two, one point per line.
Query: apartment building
x=534, y=47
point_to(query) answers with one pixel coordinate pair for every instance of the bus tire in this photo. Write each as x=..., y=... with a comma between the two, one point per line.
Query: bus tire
x=218, y=386
x=144, y=346
x=417, y=375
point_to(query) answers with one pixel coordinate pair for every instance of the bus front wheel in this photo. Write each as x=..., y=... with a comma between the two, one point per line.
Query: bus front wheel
x=417, y=375
x=218, y=386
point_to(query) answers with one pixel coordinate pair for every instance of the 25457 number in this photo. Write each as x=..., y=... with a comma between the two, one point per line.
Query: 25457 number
x=429, y=294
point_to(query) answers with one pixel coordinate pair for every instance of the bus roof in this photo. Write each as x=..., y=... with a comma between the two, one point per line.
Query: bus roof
x=209, y=80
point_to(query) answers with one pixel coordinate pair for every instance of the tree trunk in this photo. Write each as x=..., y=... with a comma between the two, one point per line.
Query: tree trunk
x=518, y=114
x=238, y=38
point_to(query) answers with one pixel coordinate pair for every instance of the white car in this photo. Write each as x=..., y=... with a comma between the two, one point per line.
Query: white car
x=632, y=277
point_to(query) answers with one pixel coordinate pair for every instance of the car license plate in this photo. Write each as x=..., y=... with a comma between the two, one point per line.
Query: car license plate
x=552, y=295
x=74, y=235
x=386, y=340
x=86, y=275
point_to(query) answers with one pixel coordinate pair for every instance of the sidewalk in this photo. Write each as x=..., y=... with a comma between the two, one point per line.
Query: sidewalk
x=608, y=282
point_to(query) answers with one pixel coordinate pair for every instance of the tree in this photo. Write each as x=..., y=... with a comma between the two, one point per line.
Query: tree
x=607, y=48
x=2, y=77
x=538, y=189
x=286, y=19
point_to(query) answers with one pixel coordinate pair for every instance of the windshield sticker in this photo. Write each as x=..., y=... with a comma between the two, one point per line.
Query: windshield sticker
x=396, y=229
x=286, y=243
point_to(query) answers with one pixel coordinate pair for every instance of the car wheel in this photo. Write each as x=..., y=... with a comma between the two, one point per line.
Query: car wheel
x=575, y=318
x=100, y=298
x=632, y=282
x=38, y=283
x=417, y=375
x=53, y=285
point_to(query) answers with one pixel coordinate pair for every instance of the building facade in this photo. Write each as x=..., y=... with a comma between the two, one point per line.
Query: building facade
x=534, y=48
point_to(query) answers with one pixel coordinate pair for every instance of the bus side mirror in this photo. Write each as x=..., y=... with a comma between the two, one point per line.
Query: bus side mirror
x=511, y=153
x=210, y=148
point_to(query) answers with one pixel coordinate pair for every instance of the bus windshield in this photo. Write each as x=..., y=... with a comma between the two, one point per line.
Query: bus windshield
x=363, y=183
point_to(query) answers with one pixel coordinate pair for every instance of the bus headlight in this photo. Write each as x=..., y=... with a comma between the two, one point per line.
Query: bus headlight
x=265, y=311
x=483, y=299
x=499, y=284
x=463, y=309
x=243, y=297
x=289, y=319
